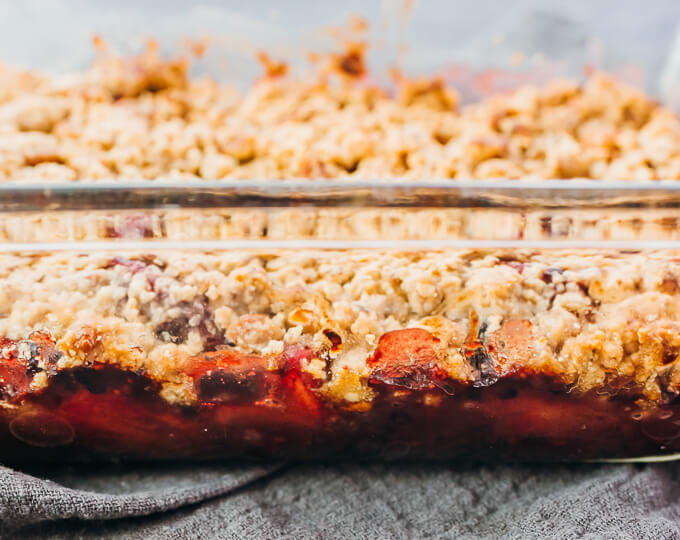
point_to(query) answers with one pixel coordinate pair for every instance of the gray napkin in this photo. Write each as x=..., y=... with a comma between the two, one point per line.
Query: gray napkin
x=342, y=501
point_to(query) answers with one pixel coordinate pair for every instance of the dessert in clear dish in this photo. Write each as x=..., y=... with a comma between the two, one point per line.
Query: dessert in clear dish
x=166, y=293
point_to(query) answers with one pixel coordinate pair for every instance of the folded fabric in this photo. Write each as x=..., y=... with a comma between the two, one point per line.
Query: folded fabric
x=342, y=501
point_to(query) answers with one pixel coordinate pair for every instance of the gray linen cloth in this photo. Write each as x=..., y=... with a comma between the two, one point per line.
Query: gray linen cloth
x=342, y=501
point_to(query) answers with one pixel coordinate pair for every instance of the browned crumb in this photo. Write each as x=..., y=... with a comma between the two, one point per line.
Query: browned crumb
x=272, y=68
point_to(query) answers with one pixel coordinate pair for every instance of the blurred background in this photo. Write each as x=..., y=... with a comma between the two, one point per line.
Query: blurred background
x=423, y=36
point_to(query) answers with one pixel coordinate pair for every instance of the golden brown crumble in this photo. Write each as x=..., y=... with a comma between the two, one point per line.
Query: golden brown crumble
x=582, y=316
x=144, y=118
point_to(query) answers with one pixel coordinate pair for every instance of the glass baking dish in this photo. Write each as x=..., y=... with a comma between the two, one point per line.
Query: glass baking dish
x=363, y=317
x=313, y=321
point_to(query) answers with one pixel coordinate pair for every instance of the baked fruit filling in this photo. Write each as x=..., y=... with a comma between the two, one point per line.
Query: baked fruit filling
x=482, y=354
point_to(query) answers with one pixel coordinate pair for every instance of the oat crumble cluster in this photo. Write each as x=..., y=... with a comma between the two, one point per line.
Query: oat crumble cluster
x=144, y=119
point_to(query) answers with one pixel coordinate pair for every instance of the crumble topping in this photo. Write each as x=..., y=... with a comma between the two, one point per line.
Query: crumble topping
x=581, y=316
x=144, y=118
